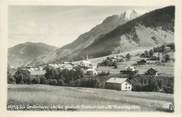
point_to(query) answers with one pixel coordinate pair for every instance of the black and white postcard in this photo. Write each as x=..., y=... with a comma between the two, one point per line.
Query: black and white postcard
x=92, y=58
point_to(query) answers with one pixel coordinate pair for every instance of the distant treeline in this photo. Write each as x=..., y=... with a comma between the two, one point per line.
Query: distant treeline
x=59, y=77
x=160, y=49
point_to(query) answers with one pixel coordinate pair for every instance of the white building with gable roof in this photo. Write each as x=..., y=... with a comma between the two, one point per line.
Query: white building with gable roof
x=118, y=84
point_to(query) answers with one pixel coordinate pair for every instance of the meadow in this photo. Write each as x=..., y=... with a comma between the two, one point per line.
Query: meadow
x=45, y=95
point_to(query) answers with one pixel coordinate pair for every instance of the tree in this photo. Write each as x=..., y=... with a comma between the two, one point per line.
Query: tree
x=22, y=76
x=151, y=53
x=115, y=65
x=11, y=79
x=52, y=73
x=43, y=80
x=128, y=56
x=36, y=80
x=146, y=54
x=60, y=82
x=166, y=58
x=52, y=81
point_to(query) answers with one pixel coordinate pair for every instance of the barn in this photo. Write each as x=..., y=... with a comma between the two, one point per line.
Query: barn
x=118, y=83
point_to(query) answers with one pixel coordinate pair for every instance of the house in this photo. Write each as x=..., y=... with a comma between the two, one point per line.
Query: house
x=143, y=79
x=131, y=70
x=86, y=63
x=118, y=83
x=152, y=61
x=151, y=71
x=92, y=72
x=162, y=82
x=37, y=73
x=68, y=66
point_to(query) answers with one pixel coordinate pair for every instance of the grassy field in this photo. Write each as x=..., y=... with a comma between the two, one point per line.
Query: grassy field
x=44, y=95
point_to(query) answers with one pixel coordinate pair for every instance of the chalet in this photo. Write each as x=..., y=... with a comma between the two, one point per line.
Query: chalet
x=37, y=73
x=151, y=61
x=118, y=83
x=92, y=72
x=68, y=66
x=86, y=63
x=131, y=68
x=151, y=71
x=163, y=82
x=144, y=79
x=129, y=71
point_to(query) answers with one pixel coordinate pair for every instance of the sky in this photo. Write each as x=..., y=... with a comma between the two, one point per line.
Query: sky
x=58, y=25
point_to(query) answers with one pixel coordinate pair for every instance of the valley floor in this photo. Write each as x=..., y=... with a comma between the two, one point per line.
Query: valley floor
x=24, y=97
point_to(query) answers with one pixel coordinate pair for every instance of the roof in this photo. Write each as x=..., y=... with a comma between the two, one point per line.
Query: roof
x=151, y=69
x=85, y=62
x=116, y=80
x=90, y=70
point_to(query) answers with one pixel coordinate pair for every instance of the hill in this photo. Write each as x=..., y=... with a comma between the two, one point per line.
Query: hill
x=25, y=53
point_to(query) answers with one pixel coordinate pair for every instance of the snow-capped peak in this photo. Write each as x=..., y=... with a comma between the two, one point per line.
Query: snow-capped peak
x=129, y=14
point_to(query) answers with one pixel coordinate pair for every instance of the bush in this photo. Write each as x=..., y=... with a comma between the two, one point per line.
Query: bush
x=36, y=81
x=52, y=81
x=115, y=65
x=11, y=79
x=168, y=89
x=85, y=82
x=43, y=80
x=60, y=82
x=166, y=58
x=128, y=56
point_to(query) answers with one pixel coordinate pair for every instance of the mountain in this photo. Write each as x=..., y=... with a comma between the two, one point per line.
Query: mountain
x=151, y=29
x=86, y=39
x=119, y=33
x=23, y=54
x=129, y=15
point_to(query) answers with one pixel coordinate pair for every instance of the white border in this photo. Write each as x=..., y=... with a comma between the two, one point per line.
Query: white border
x=3, y=55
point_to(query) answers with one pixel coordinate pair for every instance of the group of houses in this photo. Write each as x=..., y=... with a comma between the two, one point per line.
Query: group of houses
x=87, y=67
x=123, y=82
x=156, y=58
x=164, y=81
